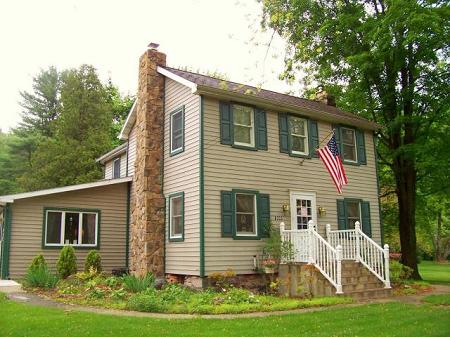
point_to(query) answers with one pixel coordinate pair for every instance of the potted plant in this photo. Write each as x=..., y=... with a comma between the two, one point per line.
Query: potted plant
x=270, y=265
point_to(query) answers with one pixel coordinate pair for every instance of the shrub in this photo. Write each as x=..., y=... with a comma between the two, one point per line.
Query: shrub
x=67, y=262
x=40, y=277
x=93, y=260
x=174, y=294
x=238, y=296
x=147, y=302
x=138, y=284
x=38, y=262
x=399, y=273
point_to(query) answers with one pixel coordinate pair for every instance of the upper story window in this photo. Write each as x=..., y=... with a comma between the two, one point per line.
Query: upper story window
x=349, y=145
x=70, y=227
x=243, y=125
x=176, y=217
x=177, y=131
x=245, y=214
x=299, y=135
x=116, y=168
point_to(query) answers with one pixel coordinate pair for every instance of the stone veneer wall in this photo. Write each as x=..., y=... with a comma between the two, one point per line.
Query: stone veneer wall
x=147, y=204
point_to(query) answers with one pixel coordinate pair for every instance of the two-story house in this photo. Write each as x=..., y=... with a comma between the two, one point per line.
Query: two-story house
x=205, y=165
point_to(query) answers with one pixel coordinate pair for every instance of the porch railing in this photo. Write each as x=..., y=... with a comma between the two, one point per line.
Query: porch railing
x=310, y=247
x=356, y=245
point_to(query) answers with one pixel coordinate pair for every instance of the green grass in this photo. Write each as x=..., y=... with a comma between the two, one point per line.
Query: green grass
x=437, y=273
x=391, y=319
x=438, y=299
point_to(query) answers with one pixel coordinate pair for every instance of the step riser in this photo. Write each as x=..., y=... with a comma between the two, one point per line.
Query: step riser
x=369, y=294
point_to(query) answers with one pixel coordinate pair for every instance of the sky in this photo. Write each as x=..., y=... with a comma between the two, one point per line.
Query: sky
x=205, y=35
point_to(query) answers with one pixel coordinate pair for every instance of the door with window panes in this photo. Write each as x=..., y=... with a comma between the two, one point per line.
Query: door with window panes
x=303, y=209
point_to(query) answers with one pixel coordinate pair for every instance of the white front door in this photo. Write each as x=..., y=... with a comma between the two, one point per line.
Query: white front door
x=303, y=209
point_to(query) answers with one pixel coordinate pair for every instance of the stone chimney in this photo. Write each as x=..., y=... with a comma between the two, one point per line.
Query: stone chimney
x=147, y=202
x=324, y=97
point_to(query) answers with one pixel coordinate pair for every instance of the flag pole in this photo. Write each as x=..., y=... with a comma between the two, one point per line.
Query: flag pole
x=325, y=138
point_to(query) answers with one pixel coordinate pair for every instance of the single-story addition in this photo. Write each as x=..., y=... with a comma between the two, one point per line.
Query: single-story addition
x=205, y=165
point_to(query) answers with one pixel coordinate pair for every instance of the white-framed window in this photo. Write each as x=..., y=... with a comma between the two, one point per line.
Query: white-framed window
x=246, y=214
x=116, y=168
x=78, y=228
x=299, y=135
x=177, y=131
x=243, y=125
x=176, y=217
x=349, y=152
x=353, y=210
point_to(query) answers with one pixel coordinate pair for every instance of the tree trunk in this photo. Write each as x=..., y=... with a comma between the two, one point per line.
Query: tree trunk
x=437, y=251
x=405, y=174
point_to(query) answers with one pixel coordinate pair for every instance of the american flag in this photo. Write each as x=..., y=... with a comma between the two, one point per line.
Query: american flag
x=330, y=157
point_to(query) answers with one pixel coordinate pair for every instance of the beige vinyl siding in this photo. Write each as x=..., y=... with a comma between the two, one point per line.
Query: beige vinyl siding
x=131, y=151
x=274, y=173
x=28, y=218
x=181, y=174
x=123, y=167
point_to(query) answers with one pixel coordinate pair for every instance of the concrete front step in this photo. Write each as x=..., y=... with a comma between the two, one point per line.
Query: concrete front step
x=369, y=293
x=362, y=286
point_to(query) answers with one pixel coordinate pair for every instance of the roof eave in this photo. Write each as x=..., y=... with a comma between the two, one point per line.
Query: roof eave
x=113, y=153
x=282, y=106
x=129, y=122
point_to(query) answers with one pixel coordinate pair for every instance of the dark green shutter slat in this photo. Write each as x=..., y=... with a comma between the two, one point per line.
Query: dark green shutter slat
x=337, y=134
x=341, y=215
x=261, y=129
x=365, y=218
x=226, y=123
x=283, y=129
x=361, y=147
x=264, y=215
x=227, y=213
x=313, y=138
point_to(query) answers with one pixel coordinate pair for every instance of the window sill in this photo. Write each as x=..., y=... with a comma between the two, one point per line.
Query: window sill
x=246, y=237
x=174, y=153
x=177, y=239
x=76, y=247
x=244, y=147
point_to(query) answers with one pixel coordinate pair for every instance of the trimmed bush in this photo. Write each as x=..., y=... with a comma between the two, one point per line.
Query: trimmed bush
x=399, y=273
x=40, y=277
x=138, y=284
x=93, y=260
x=67, y=262
x=38, y=262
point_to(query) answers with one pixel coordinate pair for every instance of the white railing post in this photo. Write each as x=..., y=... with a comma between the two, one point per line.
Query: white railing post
x=387, y=283
x=339, y=269
x=282, y=227
x=311, y=257
x=328, y=230
x=357, y=239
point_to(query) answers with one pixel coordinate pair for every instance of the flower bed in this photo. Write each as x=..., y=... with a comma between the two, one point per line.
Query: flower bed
x=129, y=293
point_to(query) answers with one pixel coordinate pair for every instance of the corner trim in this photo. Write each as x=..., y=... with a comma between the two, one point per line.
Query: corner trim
x=127, y=228
x=6, y=243
x=202, y=190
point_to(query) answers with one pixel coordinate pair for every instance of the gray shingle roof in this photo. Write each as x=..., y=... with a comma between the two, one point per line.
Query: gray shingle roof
x=275, y=97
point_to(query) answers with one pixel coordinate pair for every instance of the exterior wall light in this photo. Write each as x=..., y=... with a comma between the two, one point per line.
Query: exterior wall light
x=322, y=211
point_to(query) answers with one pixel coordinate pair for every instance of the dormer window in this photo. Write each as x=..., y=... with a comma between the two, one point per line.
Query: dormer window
x=116, y=168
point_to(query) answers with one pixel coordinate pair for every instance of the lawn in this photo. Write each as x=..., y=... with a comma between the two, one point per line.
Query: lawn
x=438, y=299
x=438, y=273
x=391, y=319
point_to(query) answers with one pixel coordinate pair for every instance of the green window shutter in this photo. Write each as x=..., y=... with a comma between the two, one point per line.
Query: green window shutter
x=283, y=129
x=365, y=218
x=261, y=129
x=341, y=214
x=264, y=215
x=226, y=123
x=337, y=134
x=227, y=213
x=361, y=147
x=313, y=133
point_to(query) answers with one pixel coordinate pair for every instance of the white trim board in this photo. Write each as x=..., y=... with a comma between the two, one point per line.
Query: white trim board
x=10, y=198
